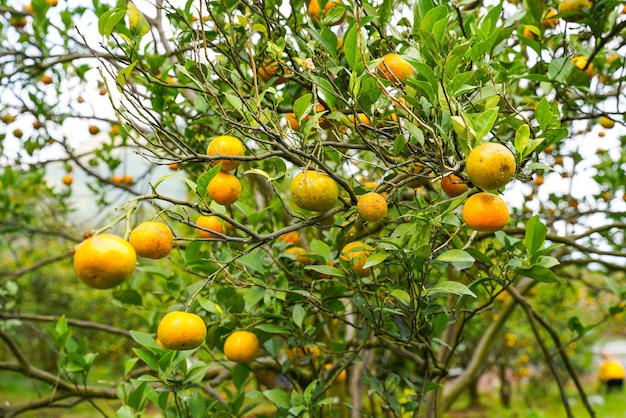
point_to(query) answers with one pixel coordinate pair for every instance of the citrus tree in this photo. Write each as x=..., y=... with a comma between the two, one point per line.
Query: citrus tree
x=303, y=208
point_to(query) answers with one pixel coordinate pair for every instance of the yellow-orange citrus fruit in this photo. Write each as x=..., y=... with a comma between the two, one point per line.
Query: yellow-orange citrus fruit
x=174, y=166
x=292, y=237
x=94, y=130
x=241, y=346
x=360, y=119
x=224, y=188
x=314, y=10
x=573, y=10
x=128, y=179
x=46, y=79
x=181, y=331
x=313, y=190
x=394, y=67
x=152, y=240
x=372, y=207
x=104, y=261
x=549, y=21
x=117, y=179
x=226, y=146
x=528, y=33
x=212, y=223
x=298, y=254
x=485, y=212
x=490, y=166
x=301, y=352
x=67, y=179
x=271, y=69
x=453, y=185
x=356, y=253
x=341, y=377
x=423, y=174
x=606, y=122
x=581, y=62
x=293, y=122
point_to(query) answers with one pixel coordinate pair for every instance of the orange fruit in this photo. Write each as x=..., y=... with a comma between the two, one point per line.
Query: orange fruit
x=104, y=261
x=117, y=179
x=394, y=67
x=341, y=377
x=490, y=166
x=292, y=237
x=174, y=166
x=46, y=79
x=573, y=10
x=298, y=253
x=241, y=346
x=372, y=207
x=67, y=179
x=269, y=69
x=181, y=331
x=293, y=122
x=529, y=33
x=356, y=253
x=423, y=172
x=152, y=240
x=301, y=352
x=313, y=190
x=549, y=21
x=485, y=212
x=453, y=185
x=539, y=180
x=212, y=223
x=226, y=146
x=128, y=179
x=580, y=62
x=94, y=130
x=601, y=134
x=102, y=91
x=224, y=188
x=314, y=10
x=606, y=122
x=360, y=119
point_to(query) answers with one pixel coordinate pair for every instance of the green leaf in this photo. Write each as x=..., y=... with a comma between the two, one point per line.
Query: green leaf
x=130, y=296
x=375, y=259
x=401, y=296
x=147, y=357
x=543, y=113
x=278, y=397
x=450, y=287
x=432, y=17
x=109, y=19
x=196, y=373
x=136, y=398
x=137, y=22
x=385, y=11
x=327, y=270
x=145, y=339
x=350, y=47
x=204, y=179
x=539, y=273
x=484, y=122
x=125, y=73
x=272, y=329
x=298, y=315
x=460, y=259
x=522, y=136
x=535, y=235
x=301, y=106
x=125, y=412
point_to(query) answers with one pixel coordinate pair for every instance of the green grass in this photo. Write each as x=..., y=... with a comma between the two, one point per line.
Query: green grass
x=537, y=405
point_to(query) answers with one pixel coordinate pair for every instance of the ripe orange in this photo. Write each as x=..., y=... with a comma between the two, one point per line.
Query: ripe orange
x=300, y=352
x=293, y=122
x=580, y=62
x=453, y=185
x=313, y=190
x=181, y=331
x=268, y=69
x=490, y=166
x=226, y=146
x=423, y=174
x=372, y=207
x=46, y=79
x=224, y=188
x=341, y=377
x=212, y=223
x=117, y=179
x=360, y=119
x=94, y=130
x=539, y=180
x=292, y=237
x=356, y=253
x=128, y=179
x=241, y=346
x=104, y=261
x=606, y=122
x=573, y=10
x=314, y=10
x=298, y=253
x=174, y=166
x=394, y=67
x=152, y=240
x=549, y=21
x=485, y=212
x=67, y=179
